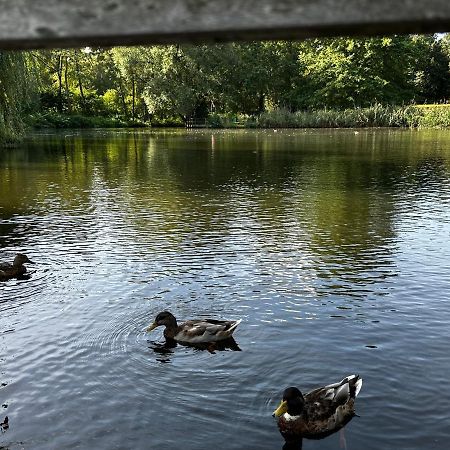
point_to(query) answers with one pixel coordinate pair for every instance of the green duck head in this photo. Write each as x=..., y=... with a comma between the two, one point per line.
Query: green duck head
x=21, y=259
x=292, y=403
x=164, y=318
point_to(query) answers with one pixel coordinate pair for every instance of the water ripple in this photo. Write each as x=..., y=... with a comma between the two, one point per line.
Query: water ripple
x=331, y=247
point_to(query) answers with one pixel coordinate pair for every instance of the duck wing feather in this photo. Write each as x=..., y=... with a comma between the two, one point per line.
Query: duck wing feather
x=205, y=330
x=5, y=266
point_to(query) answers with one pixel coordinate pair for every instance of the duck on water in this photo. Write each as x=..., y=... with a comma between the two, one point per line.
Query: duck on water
x=317, y=414
x=14, y=270
x=198, y=331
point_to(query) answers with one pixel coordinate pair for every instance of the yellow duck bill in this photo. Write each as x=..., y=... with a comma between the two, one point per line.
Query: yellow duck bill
x=152, y=326
x=282, y=408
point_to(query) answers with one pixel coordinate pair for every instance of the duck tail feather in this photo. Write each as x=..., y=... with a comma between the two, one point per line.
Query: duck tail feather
x=233, y=327
x=358, y=386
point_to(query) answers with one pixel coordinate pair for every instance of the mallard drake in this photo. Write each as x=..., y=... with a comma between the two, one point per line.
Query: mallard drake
x=14, y=270
x=197, y=331
x=319, y=413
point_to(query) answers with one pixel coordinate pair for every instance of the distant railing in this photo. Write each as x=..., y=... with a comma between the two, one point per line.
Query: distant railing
x=196, y=123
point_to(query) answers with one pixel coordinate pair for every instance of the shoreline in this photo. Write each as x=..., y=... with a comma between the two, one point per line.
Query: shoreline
x=376, y=116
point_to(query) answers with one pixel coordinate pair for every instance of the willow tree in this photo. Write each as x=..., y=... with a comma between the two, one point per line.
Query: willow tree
x=15, y=88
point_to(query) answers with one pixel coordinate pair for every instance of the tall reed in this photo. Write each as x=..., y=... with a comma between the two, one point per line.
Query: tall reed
x=376, y=115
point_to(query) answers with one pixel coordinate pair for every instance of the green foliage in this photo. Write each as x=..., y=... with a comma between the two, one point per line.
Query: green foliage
x=347, y=72
x=16, y=95
x=111, y=101
x=58, y=120
x=320, y=82
x=229, y=120
x=433, y=116
x=75, y=81
x=175, y=85
x=432, y=69
x=168, y=122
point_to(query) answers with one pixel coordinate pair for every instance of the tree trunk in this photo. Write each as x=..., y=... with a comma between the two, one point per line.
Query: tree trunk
x=133, y=96
x=59, y=73
x=66, y=82
x=261, y=103
x=80, y=85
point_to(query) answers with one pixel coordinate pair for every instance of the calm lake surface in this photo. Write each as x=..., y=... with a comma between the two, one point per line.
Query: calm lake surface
x=331, y=246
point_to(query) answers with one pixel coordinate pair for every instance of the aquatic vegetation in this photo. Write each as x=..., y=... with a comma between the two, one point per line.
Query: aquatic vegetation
x=433, y=116
x=377, y=115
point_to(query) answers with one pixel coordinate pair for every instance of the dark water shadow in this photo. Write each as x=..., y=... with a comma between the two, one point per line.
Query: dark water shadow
x=163, y=350
x=220, y=346
x=298, y=445
x=166, y=349
x=25, y=276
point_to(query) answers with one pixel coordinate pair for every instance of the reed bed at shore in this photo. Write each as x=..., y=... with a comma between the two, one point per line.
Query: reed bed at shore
x=377, y=115
x=410, y=116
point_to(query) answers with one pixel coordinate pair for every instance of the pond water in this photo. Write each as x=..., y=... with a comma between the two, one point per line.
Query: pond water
x=331, y=246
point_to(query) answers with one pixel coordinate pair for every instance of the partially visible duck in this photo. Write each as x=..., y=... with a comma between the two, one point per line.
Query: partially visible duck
x=319, y=413
x=5, y=424
x=197, y=331
x=14, y=270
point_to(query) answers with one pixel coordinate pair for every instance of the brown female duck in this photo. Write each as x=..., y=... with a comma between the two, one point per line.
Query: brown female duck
x=319, y=413
x=197, y=331
x=14, y=270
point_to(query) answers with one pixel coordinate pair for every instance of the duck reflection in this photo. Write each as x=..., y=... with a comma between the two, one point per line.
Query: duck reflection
x=298, y=445
x=293, y=445
x=225, y=344
x=165, y=349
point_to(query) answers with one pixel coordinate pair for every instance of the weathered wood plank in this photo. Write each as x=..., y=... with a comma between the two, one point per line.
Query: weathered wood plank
x=47, y=23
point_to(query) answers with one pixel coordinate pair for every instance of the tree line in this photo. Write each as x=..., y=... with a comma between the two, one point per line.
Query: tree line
x=175, y=82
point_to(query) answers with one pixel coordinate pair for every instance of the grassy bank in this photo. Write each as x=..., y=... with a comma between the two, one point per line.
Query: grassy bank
x=414, y=116
x=56, y=120
x=411, y=116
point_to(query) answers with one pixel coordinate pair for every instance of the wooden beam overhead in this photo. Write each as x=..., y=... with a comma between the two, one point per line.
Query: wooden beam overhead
x=26, y=24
